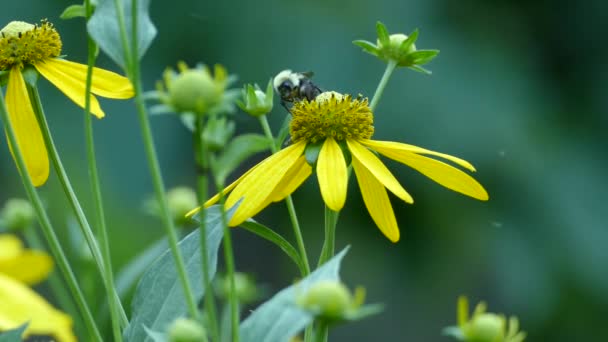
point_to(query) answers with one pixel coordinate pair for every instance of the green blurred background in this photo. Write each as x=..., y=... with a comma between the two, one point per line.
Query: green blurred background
x=518, y=90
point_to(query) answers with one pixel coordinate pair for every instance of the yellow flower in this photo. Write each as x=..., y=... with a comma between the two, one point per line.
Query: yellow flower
x=23, y=44
x=19, y=268
x=342, y=127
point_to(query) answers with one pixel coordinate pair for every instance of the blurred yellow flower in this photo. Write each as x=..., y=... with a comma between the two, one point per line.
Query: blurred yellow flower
x=19, y=268
x=23, y=44
x=329, y=133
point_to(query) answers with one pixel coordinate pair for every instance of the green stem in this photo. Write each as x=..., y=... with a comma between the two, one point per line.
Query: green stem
x=289, y=201
x=390, y=67
x=118, y=316
x=229, y=259
x=329, y=243
x=321, y=332
x=202, y=168
x=73, y=200
x=47, y=228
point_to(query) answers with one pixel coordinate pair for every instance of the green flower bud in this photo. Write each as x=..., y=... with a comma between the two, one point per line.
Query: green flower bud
x=17, y=214
x=256, y=102
x=329, y=299
x=245, y=288
x=487, y=327
x=217, y=133
x=186, y=330
x=180, y=201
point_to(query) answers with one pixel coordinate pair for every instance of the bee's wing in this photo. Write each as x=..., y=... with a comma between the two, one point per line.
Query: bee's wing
x=308, y=74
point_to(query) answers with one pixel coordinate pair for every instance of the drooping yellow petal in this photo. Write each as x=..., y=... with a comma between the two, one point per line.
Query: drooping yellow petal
x=440, y=172
x=257, y=186
x=377, y=168
x=72, y=87
x=20, y=305
x=27, y=131
x=29, y=267
x=397, y=146
x=332, y=175
x=104, y=83
x=297, y=174
x=377, y=201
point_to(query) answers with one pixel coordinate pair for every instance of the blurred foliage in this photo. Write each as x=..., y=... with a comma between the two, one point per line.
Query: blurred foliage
x=518, y=90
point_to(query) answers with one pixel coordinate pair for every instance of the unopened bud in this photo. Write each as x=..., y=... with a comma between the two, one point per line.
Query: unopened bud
x=186, y=330
x=17, y=214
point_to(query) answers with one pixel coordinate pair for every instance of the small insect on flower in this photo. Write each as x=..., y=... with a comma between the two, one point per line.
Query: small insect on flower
x=295, y=86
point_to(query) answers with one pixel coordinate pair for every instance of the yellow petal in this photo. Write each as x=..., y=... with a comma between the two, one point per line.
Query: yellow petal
x=104, y=83
x=20, y=305
x=72, y=87
x=256, y=187
x=440, y=172
x=377, y=168
x=27, y=131
x=29, y=267
x=377, y=201
x=10, y=247
x=297, y=174
x=378, y=145
x=332, y=175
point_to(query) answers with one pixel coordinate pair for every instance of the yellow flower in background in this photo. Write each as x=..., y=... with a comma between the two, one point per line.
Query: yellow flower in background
x=23, y=44
x=330, y=133
x=19, y=304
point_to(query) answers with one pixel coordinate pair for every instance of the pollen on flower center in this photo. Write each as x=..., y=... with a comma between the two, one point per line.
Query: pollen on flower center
x=22, y=43
x=331, y=115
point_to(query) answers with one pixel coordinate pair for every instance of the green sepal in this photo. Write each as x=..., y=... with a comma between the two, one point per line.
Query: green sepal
x=421, y=57
x=382, y=32
x=30, y=75
x=237, y=150
x=420, y=69
x=73, y=11
x=411, y=39
x=367, y=46
x=284, y=131
x=363, y=312
x=453, y=331
x=312, y=152
x=13, y=335
x=4, y=77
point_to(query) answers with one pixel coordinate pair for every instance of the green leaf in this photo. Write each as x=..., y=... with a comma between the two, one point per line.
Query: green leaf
x=422, y=56
x=73, y=11
x=367, y=46
x=156, y=336
x=411, y=39
x=284, y=131
x=13, y=335
x=159, y=298
x=105, y=30
x=280, y=318
x=270, y=235
x=239, y=149
x=129, y=274
x=382, y=32
x=420, y=69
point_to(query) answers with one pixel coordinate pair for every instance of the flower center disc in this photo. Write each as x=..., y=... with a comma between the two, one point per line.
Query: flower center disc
x=331, y=115
x=23, y=43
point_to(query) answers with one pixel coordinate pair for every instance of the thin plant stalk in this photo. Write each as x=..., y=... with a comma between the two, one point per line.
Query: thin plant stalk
x=329, y=243
x=47, y=229
x=289, y=201
x=390, y=67
x=73, y=200
x=202, y=162
x=114, y=303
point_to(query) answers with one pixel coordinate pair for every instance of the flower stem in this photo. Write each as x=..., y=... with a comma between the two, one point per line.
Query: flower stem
x=390, y=67
x=322, y=332
x=202, y=163
x=47, y=228
x=74, y=203
x=290, y=207
x=329, y=243
x=117, y=313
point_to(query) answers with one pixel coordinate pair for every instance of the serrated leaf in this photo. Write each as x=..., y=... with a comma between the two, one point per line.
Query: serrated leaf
x=104, y=28
x=239, y=149
x=280, y=318
x=270, y=235
x=159, y=298
x=73, y=11
x=423, y=56
x=367, y=46
x=382, y=32
x=13, y=335
x=411, y=39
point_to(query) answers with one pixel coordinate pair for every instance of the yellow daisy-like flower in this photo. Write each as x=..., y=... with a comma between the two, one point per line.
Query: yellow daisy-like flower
x=342, y=126
x=23, y=44
x=19, y=304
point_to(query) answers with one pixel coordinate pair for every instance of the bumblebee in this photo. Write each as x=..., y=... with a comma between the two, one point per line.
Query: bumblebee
x=295, y=86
